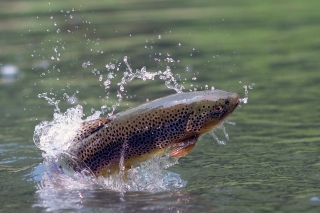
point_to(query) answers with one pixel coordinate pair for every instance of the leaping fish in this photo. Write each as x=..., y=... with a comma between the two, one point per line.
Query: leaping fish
x=170, y=124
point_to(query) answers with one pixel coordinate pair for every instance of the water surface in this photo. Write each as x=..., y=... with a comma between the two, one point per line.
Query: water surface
x=271, y=162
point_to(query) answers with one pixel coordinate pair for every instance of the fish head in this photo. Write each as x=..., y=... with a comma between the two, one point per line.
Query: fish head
x=210, y=109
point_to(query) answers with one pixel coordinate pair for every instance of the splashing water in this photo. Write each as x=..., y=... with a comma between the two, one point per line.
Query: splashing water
x=223, y=128
x=129, y=75
x=166, y=75
x=246, y=93
x=54, y=138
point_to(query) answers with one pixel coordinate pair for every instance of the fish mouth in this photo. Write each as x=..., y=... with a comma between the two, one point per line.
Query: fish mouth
x=237, y=104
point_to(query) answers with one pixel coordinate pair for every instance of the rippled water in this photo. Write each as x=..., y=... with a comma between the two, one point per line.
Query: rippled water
x=271, y=161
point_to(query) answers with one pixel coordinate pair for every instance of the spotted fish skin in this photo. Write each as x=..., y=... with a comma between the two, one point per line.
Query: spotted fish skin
x=173, y=124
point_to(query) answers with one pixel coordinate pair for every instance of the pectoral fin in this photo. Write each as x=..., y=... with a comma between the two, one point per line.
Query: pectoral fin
x=182, y=148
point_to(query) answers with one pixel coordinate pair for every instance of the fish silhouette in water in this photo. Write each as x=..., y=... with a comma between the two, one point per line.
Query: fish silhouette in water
x=171, y=124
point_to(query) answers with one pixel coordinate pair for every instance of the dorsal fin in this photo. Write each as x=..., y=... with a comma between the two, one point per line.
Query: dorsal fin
x=87, y=128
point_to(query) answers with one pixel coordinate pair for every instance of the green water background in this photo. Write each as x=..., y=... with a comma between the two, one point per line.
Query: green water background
x=271, y=162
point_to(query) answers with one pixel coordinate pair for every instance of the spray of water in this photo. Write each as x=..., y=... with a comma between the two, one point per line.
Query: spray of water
x=54, y=137
x=246, y=93
x=166, y=75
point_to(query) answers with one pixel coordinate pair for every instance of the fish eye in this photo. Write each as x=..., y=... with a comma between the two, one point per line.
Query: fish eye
x=227, y=103
x=218, y=109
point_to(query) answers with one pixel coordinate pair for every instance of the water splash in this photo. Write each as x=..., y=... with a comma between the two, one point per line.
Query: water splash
x=143, y=74
x=150, y=175
x=51, y=101
x=246, y=93
x=130, y=75
x=54, y=137
x=223, y=128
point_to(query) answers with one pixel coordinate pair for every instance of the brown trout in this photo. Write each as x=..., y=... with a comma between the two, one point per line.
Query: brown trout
x=171, y=124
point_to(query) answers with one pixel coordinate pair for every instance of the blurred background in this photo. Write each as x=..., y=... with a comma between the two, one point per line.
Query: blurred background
x=73, y=52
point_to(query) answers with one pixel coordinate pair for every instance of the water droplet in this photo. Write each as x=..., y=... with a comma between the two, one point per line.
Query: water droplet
x=107, y=83
x=86, y=64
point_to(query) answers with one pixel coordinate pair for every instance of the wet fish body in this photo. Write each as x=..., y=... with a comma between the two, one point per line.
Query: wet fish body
x=171, y=124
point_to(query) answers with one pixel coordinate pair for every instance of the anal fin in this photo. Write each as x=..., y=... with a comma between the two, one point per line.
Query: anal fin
x=182, y=148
